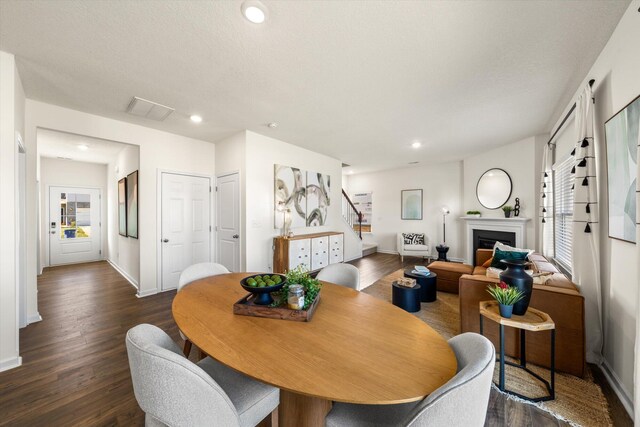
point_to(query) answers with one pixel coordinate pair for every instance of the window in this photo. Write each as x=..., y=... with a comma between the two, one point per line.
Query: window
x=563, y=212
x=75, y=218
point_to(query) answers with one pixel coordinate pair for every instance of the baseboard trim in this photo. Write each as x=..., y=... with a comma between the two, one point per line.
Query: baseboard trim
x=34, y=318
x=148, y=292
x=123, y=273
x=351, y=259
x=385, y=251
x=10, y=363
x=618, y=388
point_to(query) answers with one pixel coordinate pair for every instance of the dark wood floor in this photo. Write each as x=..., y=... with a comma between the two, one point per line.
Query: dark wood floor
x=75, y=369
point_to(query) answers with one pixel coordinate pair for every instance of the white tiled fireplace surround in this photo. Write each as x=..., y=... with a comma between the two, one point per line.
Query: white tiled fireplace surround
x=515, y=225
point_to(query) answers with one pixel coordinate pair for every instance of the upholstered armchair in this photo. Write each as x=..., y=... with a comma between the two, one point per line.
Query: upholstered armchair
x=418, y=247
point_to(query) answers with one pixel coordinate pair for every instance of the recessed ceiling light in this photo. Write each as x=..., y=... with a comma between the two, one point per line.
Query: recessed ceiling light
x=416, y=144
x=83, y=147
x=273, y=125
x=195, y=118
x=254, y=11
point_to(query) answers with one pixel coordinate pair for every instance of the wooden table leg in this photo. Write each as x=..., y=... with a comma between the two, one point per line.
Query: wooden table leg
x=297, y=410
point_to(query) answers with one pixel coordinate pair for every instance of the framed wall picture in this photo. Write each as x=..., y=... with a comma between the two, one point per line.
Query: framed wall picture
x=122, y=207
x=290, y=195
x=411, y=204
x=622, y=134
x=318, y=197
x=132, y=205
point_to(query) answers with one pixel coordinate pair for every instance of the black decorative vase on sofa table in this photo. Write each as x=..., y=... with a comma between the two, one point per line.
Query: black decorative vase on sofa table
x=515, y=276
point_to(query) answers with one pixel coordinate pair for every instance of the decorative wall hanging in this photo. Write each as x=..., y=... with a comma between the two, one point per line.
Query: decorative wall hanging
x=516, y=208
x=411, y=204
x=132, y=204
x=621, y=133
x=290, y=189
x=122, y=207
x=318, y=198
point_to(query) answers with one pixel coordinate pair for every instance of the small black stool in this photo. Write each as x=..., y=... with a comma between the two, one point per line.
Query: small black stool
x=406, y=298
x=428, y=291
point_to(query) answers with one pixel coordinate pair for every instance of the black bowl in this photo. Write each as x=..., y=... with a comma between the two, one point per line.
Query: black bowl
x=263, y=295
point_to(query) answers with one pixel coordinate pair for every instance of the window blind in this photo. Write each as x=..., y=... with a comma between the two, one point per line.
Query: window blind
x=563, y=211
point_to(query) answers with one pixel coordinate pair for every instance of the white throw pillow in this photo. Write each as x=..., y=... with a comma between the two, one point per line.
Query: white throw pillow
x=507, y=248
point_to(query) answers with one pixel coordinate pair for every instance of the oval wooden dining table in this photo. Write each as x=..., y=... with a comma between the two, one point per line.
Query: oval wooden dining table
x=356, y=348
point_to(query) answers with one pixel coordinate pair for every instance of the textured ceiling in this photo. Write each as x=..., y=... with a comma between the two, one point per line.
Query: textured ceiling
x=356, y=80
x=61, y=144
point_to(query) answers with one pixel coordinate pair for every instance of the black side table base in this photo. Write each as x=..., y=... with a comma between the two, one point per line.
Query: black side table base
x=551, y=388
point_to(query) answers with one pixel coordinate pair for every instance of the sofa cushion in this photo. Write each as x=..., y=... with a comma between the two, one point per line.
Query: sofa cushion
x=545, y=266
x=499, y=255
x=413, y=238
x=416, y=247
x=480, y=271
x=487, y=263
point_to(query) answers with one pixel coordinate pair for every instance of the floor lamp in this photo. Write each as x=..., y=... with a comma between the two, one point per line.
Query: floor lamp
x=442, y=248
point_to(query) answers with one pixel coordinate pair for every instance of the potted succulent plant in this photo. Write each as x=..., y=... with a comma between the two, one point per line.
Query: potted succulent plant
x=476, y=214
x=507, y=211
x=299, y=276
x=506, y=296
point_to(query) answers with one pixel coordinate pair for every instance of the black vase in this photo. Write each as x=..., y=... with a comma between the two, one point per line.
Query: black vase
x=515, y=276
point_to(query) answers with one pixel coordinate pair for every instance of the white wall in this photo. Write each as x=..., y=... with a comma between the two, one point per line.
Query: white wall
x=12, y=103
x=441, y=185
x=122, y=252
x=261, y=154
x=158, y=150
x=616, y=74
x=69, y=173
x=521, y=160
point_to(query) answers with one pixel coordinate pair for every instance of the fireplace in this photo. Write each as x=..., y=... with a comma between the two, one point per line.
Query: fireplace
x=511, y=231
x=485, y=239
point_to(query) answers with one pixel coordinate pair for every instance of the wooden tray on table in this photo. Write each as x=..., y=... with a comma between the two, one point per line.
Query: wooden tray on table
x=246, y=307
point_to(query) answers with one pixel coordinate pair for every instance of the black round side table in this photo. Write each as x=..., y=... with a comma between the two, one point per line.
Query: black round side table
x=406, y=298
x=428, y=292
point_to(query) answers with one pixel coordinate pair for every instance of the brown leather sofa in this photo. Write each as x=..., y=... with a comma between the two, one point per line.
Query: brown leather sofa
x=559, y=297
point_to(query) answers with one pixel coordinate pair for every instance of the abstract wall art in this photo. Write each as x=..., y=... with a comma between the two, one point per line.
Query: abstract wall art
x=411, y=204
x=132, y=205
x=122, y=207
x=290, y=190
x=622, y=133
x=318, y=198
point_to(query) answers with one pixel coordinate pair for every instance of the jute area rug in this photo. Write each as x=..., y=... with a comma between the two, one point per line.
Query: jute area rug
x=578, y=401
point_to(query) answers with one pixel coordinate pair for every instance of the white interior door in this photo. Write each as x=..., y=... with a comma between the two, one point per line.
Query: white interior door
x=186, y=224
x=74, y=225
x=228, y=204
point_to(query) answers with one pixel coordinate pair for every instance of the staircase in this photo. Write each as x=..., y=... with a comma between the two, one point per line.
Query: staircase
x=353, y=217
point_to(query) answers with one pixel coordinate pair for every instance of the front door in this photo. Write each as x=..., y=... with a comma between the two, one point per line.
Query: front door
x=74, y=225
x=186, y=224
x=228, y=203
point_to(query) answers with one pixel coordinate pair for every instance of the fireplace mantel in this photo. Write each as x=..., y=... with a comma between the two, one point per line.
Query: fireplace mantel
x=517, y=225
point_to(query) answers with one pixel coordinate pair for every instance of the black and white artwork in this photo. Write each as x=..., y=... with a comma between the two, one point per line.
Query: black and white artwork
x=318, y=198
x=290, y=197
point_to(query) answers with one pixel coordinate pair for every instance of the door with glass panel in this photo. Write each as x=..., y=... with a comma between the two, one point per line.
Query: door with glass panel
x=74, y=225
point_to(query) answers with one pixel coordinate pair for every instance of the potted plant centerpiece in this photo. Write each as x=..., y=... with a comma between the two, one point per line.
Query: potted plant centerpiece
x=299, y=276
x=507, y=211
x=506, y=296
x=476, y=214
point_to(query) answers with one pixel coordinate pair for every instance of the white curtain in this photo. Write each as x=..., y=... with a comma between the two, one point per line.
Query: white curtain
x=546, y=202
x=586, y=234
x=637, y=375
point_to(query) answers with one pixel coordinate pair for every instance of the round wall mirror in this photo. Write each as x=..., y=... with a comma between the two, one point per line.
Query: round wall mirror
x=494, y=188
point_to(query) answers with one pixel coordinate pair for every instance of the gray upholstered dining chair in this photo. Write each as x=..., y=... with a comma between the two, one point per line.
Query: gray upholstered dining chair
x=462, y=401
x=173, y=391
x=190, y=274
x=341, y=274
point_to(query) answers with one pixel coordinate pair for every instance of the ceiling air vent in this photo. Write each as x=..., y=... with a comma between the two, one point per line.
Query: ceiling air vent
x=148, y=109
